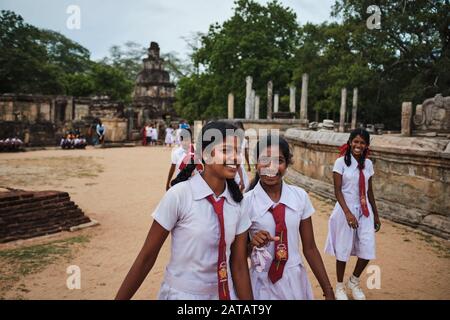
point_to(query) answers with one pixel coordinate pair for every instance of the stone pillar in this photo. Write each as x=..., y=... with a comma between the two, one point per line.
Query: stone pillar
x=354, y=107
x=69, y=108
x=252, y=104
x=406, y=118
x=257, y=101
x=343, y=109
x=269, y=99
x=276, y=102
x=292, y=99
x=248, y=93
x=304, y=98
x=230, y=106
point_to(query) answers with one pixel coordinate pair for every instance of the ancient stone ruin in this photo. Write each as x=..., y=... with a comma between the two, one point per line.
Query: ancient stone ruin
x=154, y=94
x=41, y=120
x=27, y=214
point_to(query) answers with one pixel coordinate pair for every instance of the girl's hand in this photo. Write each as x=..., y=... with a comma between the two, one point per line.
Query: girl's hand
x=351, y=220
x=262, y=238
x=377, y=223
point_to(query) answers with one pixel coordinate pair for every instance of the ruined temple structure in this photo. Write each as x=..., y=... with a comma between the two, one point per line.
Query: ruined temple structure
x=28, y=214
x=433, y=115
x=154, y=94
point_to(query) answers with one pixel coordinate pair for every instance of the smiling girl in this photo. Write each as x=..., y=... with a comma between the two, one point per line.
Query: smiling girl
x=208, y=228
x=354, y=221
x=281, y=217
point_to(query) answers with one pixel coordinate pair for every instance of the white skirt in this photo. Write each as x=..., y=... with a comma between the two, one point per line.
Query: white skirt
x=176, y=289
x=294, y=285
x=344, y=241
x=169, y=139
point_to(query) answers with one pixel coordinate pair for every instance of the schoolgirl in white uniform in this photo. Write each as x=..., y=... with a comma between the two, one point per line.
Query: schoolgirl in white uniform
x=242, y=178
x=169, y=139
x=209, y=230
x=354, y=220
x=281, y=216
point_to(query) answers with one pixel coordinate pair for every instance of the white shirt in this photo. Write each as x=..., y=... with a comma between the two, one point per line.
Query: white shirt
x=148, y=131
x=350, y=178
x=155, y=134
x=177, y=157
x=298, y=207
x=185, y=211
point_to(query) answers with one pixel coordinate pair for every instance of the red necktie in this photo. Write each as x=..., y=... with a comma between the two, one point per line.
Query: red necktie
x=222, y=274
x=188, y=158
x=362, y=192
x=281, y=246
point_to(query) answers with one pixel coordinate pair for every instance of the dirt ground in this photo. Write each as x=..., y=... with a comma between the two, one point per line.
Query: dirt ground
x=120, y=187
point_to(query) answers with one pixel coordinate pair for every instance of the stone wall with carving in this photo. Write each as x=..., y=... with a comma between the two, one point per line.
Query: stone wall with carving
x=412, y=175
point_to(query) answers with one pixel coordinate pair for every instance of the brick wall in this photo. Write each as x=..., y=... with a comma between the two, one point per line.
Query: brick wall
x=26, y=214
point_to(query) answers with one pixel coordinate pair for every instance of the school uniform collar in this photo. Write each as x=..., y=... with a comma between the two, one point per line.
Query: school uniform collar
x=263, y=202
x=200, y=190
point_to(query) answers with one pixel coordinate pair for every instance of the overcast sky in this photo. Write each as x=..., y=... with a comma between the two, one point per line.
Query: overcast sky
x=108, y=22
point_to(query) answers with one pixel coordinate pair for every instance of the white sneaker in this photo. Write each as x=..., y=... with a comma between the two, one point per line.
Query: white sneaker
x=340, y=293
x=353, y=284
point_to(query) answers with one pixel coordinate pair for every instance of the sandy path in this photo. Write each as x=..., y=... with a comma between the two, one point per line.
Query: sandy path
x=122, y=198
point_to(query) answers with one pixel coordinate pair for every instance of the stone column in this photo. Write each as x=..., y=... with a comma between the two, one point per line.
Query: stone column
x=354, y=107
x=269, y=99
x=292, y=99
x=343, y=109
x=248, y=93
x=304, y=98
x=252, y=104
x=69, y=109
x=257, y=101
x=276, y=102
x=230, y=106
x=406, y=118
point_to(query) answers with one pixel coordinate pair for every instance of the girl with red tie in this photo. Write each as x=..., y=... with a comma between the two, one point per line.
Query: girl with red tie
x=354, y=221
x=209, y=230
x=281, y=216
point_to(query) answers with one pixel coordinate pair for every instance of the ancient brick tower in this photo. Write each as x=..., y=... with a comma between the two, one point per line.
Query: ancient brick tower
x=154, y=94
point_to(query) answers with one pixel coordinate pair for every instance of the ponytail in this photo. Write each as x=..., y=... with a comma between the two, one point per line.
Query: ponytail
x=184, y=174
x=234, y=190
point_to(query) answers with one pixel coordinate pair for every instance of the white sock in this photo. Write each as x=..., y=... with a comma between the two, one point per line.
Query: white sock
x=354, y=279
x=339, y=285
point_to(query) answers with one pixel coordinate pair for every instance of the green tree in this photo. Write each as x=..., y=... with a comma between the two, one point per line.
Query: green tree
x=257, y=40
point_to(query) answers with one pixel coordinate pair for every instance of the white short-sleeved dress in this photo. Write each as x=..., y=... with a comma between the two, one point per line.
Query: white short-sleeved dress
x=169, y=139
x=184, y=211
x=177, y=156
x=342, y=240
x=294, y=285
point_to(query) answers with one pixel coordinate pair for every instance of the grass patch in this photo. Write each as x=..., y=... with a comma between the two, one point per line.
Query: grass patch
x=20, y=262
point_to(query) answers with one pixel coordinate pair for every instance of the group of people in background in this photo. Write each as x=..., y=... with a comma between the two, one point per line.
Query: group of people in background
x=150, y=134
x=73, y=140
x=218, y=219
x=11, y=144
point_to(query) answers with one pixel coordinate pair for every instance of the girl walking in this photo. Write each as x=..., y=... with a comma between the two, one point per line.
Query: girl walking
x=281, y=217
x=209, y=229
x=354, y=220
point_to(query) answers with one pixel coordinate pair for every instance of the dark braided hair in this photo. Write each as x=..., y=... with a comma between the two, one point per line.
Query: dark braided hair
x=348, y=154
x=186, y=173
x=260, y=147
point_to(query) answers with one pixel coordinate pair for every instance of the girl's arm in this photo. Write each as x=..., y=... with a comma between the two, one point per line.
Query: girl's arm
x=144, y=262
x=169, y=177
x=337, y=179
x=314, y=259
x=239, y=267
x=247, y=159
x=241, y=178
x=373, y=204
